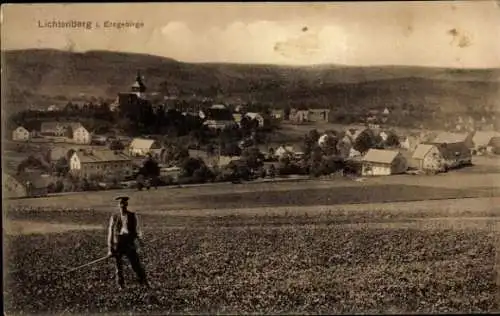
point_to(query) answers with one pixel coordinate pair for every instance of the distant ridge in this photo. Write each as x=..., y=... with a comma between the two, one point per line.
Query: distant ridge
x=37, y=76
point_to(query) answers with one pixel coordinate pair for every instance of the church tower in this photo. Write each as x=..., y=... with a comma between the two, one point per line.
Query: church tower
x=139, y=87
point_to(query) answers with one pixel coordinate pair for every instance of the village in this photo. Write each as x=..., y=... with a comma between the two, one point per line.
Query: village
x=49, y=156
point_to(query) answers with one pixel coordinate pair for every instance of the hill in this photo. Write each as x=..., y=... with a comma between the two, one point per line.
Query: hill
x=41, y=77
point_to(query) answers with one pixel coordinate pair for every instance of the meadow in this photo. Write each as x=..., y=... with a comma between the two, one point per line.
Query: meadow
x=246, y=256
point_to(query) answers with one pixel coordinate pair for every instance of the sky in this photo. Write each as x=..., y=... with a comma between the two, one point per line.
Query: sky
x=464, y=34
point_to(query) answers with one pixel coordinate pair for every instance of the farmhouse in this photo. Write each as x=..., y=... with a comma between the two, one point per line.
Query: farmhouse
x=428, y=157
x=217, y=117
x=318, y=115
x=22, y=133
x=299, y=116
x=143, y=146
x=278, y=114
x=82, y=136
x=378, y=162
x=481, y=139
x=100, y=162
x=237, y=118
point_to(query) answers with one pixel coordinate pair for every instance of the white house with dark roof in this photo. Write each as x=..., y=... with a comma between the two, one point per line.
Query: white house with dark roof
x=380, y=162
x=144, y=146
x=82, y=136
x=100, y=162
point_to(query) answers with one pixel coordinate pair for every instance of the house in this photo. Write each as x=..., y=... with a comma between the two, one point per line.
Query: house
x=21, y=134
x=237, y=118
x=218, y=117
x=278, y=114
x=386, y=111
x=454, y=138
x=481, y=139
x=100, y=162
x=318, y=115
x=428, y=157
x=494, y=146
x=256, y=116
x=26, y=184
x=380, y=162
x=82, y=136
x=299, y=116
x=143, y=146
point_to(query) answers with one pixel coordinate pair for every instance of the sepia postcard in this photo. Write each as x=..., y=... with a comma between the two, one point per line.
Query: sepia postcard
x=251, y=158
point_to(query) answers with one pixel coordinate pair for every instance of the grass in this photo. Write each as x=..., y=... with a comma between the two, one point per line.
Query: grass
x=331, y=196
x=230, y=265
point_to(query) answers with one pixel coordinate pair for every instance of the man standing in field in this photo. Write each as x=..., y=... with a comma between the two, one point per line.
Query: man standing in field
x=123, y=232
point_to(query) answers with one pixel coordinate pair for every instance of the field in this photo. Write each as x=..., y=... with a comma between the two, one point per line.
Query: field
x=304, y=247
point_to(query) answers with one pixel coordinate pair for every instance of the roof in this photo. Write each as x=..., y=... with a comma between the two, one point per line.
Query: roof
x=57, y=152
x=142, y=143
x=103, y=155
x=253, y=115
x=380, y=156
x=450, y=138
x=482, y=138
x=421, y=151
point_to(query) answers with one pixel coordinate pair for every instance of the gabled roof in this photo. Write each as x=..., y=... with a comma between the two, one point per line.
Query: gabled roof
x=482, y=138
x=380, y=156
x=422, y=150
x=142, y=143
x=253, y=115
x=103, y=155
x=450, y=138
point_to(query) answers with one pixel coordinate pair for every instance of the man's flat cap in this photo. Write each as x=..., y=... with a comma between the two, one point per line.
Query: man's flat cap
x=122, y=198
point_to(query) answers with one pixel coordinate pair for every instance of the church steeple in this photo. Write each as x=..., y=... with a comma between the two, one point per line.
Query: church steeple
x=138, y=85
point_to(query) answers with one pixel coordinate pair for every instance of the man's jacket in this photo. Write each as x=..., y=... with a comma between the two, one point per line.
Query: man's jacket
x=123, y=230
